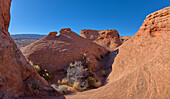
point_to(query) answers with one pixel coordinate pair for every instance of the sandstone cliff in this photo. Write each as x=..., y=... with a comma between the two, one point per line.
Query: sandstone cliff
x=109, y=39
x=142, y=67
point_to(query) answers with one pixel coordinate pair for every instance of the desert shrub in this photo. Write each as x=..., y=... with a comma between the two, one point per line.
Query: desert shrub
x=59, y=82
x=77, y=73
x=72, y=65
x=31, y=63
x=64, y=81
x=85, y=61
x=43, y=73
x=91, y=81
x=61, y=88
x=35, y=84
x=76, y=85
x=46, y=75
x=38, y=69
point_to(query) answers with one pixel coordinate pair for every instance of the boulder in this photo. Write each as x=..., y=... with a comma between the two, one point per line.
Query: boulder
x=109, y=39
x=55, y=53
x=142, y=67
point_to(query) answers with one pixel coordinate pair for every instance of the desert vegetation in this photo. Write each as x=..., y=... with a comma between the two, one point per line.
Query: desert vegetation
x=43, y=73
x=78, y=78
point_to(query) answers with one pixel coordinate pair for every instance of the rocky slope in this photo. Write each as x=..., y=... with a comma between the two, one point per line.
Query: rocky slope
x=16, y=74
x=109, y=39
x=55, y=53
x=142, y=67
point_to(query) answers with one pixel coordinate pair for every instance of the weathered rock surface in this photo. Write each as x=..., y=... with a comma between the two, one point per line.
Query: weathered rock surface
x=16, y=74
x=109, y=39
x=55, y=53
x=142, y=67
x=124, y=38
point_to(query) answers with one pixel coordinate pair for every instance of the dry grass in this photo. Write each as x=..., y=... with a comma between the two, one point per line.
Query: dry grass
x=59, y=82
x=64, y=81
x=76, y=85
x=97, y=84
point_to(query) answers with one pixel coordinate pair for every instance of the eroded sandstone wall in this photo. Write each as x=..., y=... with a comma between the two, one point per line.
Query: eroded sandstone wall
x=142, y=67
x=16, y=74
x=109, y=39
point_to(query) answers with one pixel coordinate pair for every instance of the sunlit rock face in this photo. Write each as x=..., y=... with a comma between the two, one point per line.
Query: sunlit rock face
x=142, y=67
x=109, y=39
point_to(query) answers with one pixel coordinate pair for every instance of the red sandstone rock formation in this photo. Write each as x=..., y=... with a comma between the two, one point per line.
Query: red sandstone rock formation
x=109, y=39
x=142, y=68
x=55, y=53
x=16, y=74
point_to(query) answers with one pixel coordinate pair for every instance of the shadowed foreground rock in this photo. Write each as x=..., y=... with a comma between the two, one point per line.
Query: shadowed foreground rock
x=109, y=39
x=142, y=67
x=16, y=74
x=55, y=53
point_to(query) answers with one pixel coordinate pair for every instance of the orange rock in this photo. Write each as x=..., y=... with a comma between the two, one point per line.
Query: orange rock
x=16, y=74
x=156, y=23
x=142, y=67
x=109, y=39
x=65, y=30
x=54, y=54
x=52, y=34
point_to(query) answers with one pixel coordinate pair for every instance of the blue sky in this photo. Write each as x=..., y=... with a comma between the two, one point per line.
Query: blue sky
x=44, y=16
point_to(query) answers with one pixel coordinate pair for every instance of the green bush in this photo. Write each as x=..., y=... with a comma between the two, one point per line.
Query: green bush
x=47, y=76
x=37, y=68
x=61, y=88
x=43, y=73
x=91, y=81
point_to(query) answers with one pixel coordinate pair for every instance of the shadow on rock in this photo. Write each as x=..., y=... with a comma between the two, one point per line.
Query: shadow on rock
x=107, y=62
